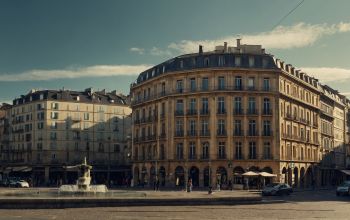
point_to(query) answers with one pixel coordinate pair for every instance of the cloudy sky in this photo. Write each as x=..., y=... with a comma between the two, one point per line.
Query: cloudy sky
x=105, y=44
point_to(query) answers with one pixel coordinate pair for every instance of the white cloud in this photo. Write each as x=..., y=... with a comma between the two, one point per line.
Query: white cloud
x=137, y=50
x=158, y=52
x=282, y=37
x=327, y=74
x=91, y=71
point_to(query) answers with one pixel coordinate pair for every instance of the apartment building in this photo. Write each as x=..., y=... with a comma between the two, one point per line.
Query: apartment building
x=51, y=130
x=211, y=116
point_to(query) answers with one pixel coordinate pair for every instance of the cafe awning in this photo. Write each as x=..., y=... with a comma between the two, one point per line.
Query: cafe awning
x=266, y=174
x=347, y=172
x=250, y=174
x=21, y=169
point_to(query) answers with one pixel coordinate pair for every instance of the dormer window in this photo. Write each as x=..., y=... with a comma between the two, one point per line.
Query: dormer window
x=238, y=61
x=221, y=61
x=181, y=64
x=251, y=62
x=163, y=69
x=206, y=61
x=265, y=62
x=41, y=96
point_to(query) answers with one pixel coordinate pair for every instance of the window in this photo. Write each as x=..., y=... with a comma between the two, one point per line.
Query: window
x=221, y=150
x=39, y=146
x=238, y=61
x=238, y=151
x=251, y=61
x=221, y=83
x=179, y=128
x=181, y=64
x=117, y=148
x=206, y=62
x=86, y=116
x=163, y=89
x=193, y=84
x=205, y=106
x=41, y=115
x=252, y=150
x=193, y=106
x=192, y=150
x=205, y=150
x=54, y=115
x=53, y=125
x=40, y=125
x=251, y=105
x=179, y=151
x=192, y=131
x=205, y=128
x=267, y=128
x=221, y=105
x=267, y=150
x=238, y=128
x=266, y=84
x=252, y=128
x=54, y=105
x=162, y=152
x=238, y=106
x=266, y=107
x=221, y=61
x=179, y=107
x=53, y=135
x=101, y=148
x=179, y=86
x=251, y=83
x=238, y=83
x=221, y=127
x=205, y=84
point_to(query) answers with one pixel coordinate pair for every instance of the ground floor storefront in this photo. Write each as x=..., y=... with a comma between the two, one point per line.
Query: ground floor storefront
x=112, y=176
x=226, y=174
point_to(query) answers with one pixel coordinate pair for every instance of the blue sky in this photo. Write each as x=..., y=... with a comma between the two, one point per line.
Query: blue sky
x=105, y=44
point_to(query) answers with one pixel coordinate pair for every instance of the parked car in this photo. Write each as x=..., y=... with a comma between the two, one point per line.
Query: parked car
x=22, y=184
x=343, y=189
x=277, y=189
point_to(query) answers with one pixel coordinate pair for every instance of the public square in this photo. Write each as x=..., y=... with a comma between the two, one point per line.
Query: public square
x=320, y=204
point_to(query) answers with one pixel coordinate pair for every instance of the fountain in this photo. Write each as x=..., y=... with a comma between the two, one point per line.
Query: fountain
x=83, y=182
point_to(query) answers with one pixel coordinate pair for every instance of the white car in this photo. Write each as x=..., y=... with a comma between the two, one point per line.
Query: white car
x=343, y=189
x=22, y=184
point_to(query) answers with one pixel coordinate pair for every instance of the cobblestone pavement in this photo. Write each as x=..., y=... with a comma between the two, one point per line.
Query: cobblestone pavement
x=301, y=205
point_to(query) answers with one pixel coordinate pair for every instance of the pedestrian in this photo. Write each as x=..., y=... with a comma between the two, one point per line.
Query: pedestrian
x=230, y=185
x=177, y=182
x=157, y=184
x=189, y=185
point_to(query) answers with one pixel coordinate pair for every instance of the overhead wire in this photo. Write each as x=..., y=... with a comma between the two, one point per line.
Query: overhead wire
x=290, y=12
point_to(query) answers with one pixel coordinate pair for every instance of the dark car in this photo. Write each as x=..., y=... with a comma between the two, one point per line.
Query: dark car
x=343, y=189
x=277, y=189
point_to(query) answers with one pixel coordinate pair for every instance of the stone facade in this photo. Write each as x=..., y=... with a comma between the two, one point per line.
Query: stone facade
x=211, y=116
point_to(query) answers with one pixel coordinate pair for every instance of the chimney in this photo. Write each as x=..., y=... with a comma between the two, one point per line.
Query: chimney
x=200, y=49
x=238, y=42
x=225, y=47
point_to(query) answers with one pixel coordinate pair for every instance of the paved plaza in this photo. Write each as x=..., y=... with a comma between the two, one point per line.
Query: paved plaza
x=321, y=204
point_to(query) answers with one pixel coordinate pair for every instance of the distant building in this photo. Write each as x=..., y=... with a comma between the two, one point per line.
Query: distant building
x=211, y=116
x=52, y=129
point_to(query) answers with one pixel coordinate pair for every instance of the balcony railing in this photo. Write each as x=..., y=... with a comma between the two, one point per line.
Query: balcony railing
x=239, y=156
x=266, y=133
x=205, y=156
x=179, y=133
x=252, y=133
x=162, y=135
x=192, y=112
x=221, y=132
x=267, y=112
x=221, y=111
x=192, y=133
x=238, y=111
x=179, y=113
x=221, y=156
x=204, y=112
x=252, y=111
x=192, y=157
x=205, y=133
x=238, y=133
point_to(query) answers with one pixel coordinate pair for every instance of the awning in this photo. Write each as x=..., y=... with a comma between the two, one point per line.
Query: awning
x=265, y=174
x=250, y=174
x=20, y=169
x=347, y=172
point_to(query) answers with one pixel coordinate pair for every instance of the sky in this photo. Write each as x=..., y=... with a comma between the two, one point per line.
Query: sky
x=105, y=44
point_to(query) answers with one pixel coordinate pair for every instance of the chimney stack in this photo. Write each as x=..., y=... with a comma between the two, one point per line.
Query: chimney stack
x=200, y=49
x=225, y=47
x=238, y=42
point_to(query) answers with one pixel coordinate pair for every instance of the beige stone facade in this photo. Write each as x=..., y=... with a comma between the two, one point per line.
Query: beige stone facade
x=54, y=129
x=213, y=116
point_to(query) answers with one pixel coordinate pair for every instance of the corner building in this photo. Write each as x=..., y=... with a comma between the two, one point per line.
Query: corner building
x=211, y=116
